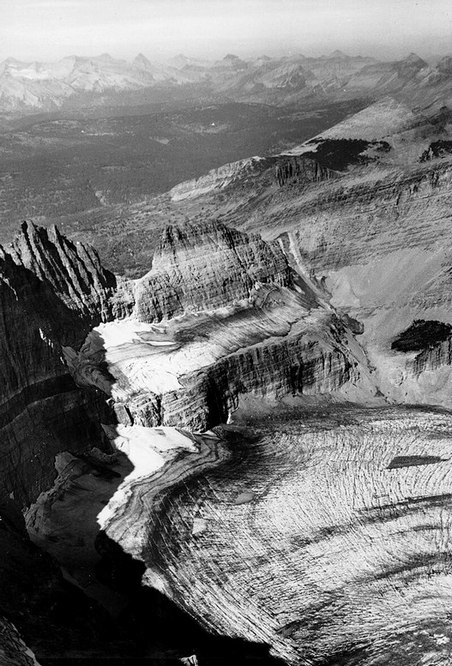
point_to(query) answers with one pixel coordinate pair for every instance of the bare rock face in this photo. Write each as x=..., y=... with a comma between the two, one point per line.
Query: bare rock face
x=41, y=409
x=301, y=170
x=13, y=650
x=191, y=370
x=431, y=341
x=434, y=357
x=303, y=362
x=53, y=292
x=206, y=266
x=72, y=270
x=230, y=323
x=379, y=241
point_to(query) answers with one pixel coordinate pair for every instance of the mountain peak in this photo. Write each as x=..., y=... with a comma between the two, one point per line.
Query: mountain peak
x=415, y=60
x=445, y=65
x=338, y=54
x=105, y=57
x=141, y=61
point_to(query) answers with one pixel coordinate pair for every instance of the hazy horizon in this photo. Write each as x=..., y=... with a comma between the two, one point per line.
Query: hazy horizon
x=52, y=29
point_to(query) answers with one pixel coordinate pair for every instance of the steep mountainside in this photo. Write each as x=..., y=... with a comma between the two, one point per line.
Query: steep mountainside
x=36, y=388
x=376, y=235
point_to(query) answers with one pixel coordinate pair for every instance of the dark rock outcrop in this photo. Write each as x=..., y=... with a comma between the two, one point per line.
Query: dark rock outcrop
x=422, y=335
x=294, y=365
x=41, y=409
x=34, y=595
x=301, y=170
x=434, y=356
x=431, y=339
x=436, y=149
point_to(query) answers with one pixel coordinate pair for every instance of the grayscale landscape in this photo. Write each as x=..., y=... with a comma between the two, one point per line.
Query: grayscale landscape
x=226, y=333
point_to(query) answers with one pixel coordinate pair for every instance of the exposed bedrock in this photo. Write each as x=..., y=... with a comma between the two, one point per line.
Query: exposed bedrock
x=42, y=411
x=430, y=341
x=220, y=314
x=197, y=267
x=218, y=179
x=190, y=371
x=434, y=357
x=301, y=170
x=244, y=175
x=298, y=364
x=366, y=216
x=72, y=270
x=381, y=245
x=230, y=322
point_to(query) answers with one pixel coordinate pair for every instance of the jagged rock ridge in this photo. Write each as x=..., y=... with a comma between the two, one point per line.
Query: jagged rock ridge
x=40, y=406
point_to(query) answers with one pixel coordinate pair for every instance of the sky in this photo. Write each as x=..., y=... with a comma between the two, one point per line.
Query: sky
x=51, y=29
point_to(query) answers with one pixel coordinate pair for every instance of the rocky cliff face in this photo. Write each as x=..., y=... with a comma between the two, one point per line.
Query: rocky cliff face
x=386, y=211
x=72, y=270
x=375, y=245
x=434, y=357
x=301, y=170
x=371, y=237
x=218, y=316
x=239, y=327
x=41, y=409
x=266, y=349
x=198, y=267
x=376, y=236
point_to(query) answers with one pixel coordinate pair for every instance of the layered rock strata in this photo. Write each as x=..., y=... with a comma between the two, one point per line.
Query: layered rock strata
x=191, y=371
x=200, y=267
x=73, y=271
x=301, y=170
x=41, y=409
x=379, y=242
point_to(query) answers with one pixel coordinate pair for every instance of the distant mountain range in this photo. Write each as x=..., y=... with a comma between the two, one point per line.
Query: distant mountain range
x=35, y=86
